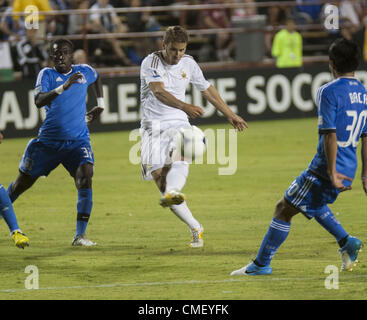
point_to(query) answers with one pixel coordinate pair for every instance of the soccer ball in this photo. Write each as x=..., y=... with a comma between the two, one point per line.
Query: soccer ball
x=191, y=142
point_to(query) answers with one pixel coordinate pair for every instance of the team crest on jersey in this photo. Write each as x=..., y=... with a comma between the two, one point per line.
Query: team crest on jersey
x=82, y=80
x=183, y=74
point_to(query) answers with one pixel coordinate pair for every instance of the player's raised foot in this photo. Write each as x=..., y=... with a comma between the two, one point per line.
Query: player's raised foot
x=172, y=197
x=252, y=270
x=197, y=239
x=349, y=253
x=82, y=241
x=20, y=239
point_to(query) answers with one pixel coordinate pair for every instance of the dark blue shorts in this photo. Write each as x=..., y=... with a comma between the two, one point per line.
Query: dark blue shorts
x=41, y=157
x=310, y=194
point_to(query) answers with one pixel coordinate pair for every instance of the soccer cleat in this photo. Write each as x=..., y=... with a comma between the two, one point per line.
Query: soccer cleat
x=172, y=197
x=252, y=270
x=349, y=253
x=20, y=239
x=197, y=240
x=82, y=241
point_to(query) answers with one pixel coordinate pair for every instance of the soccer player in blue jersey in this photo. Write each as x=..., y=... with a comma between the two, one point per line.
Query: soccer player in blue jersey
x=64, y=136
x=8, y=214
x=342, y=114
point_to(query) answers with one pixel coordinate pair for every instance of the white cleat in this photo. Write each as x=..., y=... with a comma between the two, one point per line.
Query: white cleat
x=349, y=253
x=197, y=240
x=82, y=241
x=252, y=270
x=239, y=272
x=172, y=197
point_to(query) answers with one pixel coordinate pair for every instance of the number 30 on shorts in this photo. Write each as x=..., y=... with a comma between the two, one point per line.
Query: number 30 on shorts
x=293, y=188
x=87, y=152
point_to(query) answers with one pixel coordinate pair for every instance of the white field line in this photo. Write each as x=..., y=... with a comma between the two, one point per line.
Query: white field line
x=183, y=282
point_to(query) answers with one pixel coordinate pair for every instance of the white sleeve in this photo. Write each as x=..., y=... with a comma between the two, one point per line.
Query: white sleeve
x=151, y=71
x=198, y=79
x=94, y=14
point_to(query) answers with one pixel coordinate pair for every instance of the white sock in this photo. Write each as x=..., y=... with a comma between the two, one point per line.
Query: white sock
x=183, y=212
x=177, y=175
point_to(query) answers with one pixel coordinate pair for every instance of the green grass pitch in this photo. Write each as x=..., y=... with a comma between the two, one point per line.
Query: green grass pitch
x=143, y=250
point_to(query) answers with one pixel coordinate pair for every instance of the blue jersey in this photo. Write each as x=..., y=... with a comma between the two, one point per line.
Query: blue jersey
x=342, y=108
x=65, y=116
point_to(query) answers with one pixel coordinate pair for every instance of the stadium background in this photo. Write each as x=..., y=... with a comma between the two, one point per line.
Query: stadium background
x=248, y=78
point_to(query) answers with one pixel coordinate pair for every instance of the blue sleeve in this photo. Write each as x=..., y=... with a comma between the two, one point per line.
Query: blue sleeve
x=90, y=73
x=327, y=110
x=43, y=83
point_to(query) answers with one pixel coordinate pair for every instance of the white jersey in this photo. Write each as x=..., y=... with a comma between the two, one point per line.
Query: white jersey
x=176, y=79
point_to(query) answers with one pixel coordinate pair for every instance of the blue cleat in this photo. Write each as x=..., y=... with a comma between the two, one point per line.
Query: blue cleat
x=349, y=253
x=252, y=270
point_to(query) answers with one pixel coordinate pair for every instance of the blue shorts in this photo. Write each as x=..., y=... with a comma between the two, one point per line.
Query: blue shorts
x=309, y=193
x=41, y=157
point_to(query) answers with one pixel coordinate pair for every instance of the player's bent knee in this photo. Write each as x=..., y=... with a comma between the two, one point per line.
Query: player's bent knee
x=283, y=211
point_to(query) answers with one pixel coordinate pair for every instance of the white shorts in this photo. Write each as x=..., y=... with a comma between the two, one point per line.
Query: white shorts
x=157, y=146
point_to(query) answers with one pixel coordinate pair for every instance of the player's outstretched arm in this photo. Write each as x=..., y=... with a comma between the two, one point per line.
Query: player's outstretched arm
x=168, y=99
x=331, y=149
x=364, y=163
x=45, y=98
x=212, y=95
x=96, y=111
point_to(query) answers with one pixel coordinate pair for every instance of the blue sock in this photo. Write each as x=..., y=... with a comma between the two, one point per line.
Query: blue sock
x=277, y=233
x=84, y=208
x=327, y=219
x=12, y=195
x=7, y=211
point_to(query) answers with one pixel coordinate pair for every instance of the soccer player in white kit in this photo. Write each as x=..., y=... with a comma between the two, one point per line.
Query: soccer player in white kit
x=164, y=77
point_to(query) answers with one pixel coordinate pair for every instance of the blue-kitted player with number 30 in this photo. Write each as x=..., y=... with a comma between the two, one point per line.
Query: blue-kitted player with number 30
x=342, y=110
x=64, y=135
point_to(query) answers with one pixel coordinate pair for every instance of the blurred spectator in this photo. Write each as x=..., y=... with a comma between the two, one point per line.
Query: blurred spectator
x=218, y=18
x=80, y=24
x=31, y=54
x=11, y=30
x=350, y=12
x=3, y=5
x=306, y=14
x=245, y=11
x=276, y=14
x=80, y=57
x=45, y=24
x=119, y=3
x=287, y=46
x=61, y=22
x=189, y=19
x=109, y=22
x=351, y=15
x=166, y=18
x=142, y=22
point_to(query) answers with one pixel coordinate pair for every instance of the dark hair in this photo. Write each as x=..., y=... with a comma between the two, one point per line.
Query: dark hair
x=345, y=55
x=60, y=42
x=175, y=34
